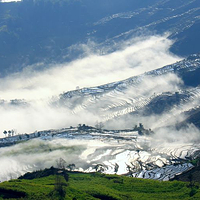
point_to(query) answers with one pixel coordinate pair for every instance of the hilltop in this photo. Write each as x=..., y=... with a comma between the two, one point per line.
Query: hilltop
x=61, y=184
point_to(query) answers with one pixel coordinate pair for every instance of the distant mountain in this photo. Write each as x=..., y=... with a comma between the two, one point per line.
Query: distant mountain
x=46, y=31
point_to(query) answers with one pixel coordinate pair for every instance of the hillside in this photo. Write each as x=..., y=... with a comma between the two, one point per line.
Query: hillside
x=143, y=96
x=110, y=86
x=164, y=100
x=48, y=184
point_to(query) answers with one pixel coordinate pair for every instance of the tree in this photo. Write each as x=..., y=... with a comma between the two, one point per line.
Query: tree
x=59, y=187
x=135, y=128
x=5, y=132
x=61, y=163
x=96, y=125
x=100, y=168
x=128, y=168
x=141, y=126
x=71, y=167
x=99, y=125
x=116, y=168
x=12, y=132
x=9, y=133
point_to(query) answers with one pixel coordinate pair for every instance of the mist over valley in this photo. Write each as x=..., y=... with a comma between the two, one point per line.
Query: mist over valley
x=108, y=86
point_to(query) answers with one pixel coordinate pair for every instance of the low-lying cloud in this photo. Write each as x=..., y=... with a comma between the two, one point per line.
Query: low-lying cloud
x=39, y=109
x=38, y=87
x=143, y=55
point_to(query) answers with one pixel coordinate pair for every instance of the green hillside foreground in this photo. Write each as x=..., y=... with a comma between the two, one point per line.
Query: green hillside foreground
x=83, y=186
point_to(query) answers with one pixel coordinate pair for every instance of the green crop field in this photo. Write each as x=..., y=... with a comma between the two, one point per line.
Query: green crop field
x=81, y=186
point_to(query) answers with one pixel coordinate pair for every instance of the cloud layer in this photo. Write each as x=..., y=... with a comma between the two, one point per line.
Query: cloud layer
x=143, y=54
x=38, y=87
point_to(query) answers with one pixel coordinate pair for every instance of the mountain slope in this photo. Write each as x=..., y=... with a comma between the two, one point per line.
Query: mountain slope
x=142, y=95
x=94, y=186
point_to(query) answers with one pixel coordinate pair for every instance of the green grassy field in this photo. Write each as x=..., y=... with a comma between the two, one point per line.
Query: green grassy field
x=81, y=186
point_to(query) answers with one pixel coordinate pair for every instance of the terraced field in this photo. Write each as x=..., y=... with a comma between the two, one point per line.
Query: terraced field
x=139, y=96
x=111, y=152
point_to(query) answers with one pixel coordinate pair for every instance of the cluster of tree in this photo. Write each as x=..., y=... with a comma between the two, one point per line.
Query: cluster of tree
x=9, y=132
x=142, y=131
x=62, y=164
x=60, y=185
x=99, y=125
x=83, y=127
x=100, y=168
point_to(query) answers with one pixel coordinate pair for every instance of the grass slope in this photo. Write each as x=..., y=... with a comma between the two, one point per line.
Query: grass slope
x=82, y=186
